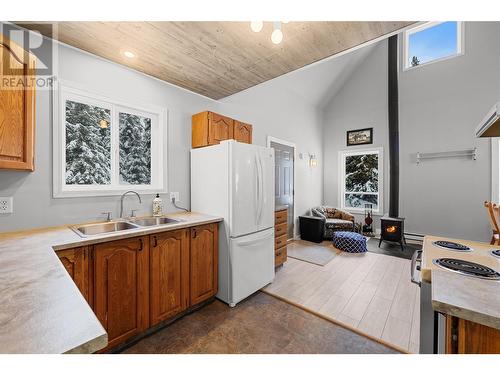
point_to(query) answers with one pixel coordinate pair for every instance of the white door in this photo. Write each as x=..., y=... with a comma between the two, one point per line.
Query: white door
x=245, y=187
x=252, y=264
x=266, y=195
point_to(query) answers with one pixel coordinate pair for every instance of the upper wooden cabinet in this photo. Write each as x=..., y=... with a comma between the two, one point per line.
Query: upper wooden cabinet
x=242, y=132
x=169, y=274
x=77, y=264
x=203, y=262
x=209, y=128
x=17, y=106
x=121, y=287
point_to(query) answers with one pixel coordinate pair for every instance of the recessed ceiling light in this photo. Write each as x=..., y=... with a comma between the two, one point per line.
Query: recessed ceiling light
x=129, y=54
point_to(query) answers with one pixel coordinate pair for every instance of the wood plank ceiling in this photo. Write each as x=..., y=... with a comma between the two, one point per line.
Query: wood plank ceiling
x=217, y=59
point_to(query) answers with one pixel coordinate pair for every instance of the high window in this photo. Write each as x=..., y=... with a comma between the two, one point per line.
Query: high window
x=360, y=179
x=104, y=147
x=431, y=42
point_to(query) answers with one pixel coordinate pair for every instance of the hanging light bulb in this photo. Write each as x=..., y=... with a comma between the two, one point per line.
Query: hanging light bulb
x=256, y=26
x=277, y=35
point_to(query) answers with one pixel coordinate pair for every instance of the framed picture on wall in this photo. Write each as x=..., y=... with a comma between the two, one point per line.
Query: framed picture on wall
x=360, y=137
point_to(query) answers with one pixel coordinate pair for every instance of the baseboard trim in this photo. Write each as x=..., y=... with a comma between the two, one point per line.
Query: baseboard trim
x=343, y=325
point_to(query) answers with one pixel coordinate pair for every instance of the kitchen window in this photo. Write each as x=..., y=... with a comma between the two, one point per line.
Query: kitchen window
x=432, y=42
x=361, y=179
x=104, y=147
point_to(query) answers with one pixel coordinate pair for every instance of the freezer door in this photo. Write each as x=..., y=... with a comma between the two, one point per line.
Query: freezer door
x=244, y=189
x=265, y=218
x=251, y=264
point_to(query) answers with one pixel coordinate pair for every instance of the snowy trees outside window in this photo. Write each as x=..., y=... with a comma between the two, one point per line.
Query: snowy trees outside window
x=135, y=149
x=104, y=147
x=360, y=179
x=88, y=145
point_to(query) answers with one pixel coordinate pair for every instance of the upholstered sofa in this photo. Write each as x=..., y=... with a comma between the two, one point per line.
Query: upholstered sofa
x=334, y=220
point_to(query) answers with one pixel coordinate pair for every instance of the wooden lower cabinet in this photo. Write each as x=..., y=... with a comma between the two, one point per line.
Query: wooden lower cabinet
x=121, y=277
x=169, y=274
x=76, y=263
x=466, y=337
x=203, y=262
x=136, y=283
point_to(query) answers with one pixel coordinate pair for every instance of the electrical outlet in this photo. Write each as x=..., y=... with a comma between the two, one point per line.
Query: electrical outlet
x=6, y=205
x=174, y=196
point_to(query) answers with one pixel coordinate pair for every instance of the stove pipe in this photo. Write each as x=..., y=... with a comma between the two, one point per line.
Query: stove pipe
x=393, y=117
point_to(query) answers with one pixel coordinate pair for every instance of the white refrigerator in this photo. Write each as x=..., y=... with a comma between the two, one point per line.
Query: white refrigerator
x=236, y=181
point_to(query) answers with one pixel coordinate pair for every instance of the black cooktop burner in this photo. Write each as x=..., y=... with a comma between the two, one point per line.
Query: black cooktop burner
x=496, y=253
x=467, y=268
x=452, y=246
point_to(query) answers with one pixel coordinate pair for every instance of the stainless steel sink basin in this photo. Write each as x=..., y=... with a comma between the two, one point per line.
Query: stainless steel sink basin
x=102, y=228
x=150, y=221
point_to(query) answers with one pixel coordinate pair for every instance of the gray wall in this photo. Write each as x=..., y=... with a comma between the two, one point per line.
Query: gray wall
x=440, y=105
x=282, y=116
x=360, y=103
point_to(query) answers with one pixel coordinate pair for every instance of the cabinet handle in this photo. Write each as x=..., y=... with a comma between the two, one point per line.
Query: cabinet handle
x=194, y=233
x=155, y=241
x=140, y=244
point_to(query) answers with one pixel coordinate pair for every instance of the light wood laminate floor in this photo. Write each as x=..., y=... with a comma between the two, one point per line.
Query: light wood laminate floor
x=369, y=292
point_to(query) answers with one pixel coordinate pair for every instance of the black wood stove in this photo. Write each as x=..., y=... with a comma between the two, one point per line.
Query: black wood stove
x=392, y=229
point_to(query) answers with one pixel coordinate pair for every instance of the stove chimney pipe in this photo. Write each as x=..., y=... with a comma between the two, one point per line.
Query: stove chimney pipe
x=393, y=118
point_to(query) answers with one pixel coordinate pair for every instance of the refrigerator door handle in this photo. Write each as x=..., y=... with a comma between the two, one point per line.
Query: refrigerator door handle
x=257, y=200
x=261, y=195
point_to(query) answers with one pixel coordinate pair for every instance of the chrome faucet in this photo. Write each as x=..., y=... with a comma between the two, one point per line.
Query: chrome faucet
x=123, y=196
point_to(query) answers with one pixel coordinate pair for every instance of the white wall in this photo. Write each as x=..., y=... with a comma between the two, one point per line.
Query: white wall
x=360, y=103
x=271, y=111
x=439, y=106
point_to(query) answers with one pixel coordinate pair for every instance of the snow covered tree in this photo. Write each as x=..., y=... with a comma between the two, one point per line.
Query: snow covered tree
x=88, y=146
x=135, y=149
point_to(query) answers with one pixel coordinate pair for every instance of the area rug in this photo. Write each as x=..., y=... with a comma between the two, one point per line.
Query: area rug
x=316, y=253
x=392, y=249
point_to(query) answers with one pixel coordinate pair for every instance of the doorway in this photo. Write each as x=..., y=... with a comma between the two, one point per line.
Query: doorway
x=284, y=178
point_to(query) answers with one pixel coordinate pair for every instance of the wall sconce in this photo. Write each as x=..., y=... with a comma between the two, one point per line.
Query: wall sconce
x=313, y=161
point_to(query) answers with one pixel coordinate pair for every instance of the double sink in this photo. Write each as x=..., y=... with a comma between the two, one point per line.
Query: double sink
x=121, y=225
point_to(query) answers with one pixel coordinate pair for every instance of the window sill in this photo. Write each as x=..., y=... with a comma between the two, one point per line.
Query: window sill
x=106, y=193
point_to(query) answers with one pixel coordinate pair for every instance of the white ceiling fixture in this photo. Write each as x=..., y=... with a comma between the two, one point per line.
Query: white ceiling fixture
x=256, y=26
x=277, y=35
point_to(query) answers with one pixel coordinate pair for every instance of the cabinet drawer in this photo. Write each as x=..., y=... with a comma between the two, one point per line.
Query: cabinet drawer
x=280, y=256
x=280, y=229
x=280, y=241
x=281, y=217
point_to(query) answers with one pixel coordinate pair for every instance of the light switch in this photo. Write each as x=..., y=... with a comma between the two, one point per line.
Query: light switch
x=6, y=205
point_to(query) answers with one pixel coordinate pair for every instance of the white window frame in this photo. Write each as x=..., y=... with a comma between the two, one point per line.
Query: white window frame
x=495, y=169
x=69, y=91
x=342, y=156
x=424, y=26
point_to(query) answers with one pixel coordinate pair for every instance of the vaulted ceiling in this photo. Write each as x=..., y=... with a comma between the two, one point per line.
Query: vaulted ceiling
x=217, y=59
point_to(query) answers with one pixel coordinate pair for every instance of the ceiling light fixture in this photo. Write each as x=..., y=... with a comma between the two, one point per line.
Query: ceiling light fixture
x=277, y=35
x=129, y=54
x=256, y=26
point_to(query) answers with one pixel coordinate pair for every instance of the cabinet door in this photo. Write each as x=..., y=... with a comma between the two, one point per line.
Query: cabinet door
x=220, y=128
x=203, y=262
x=169, y=274
x=17, y=107
x=76, y=262
x=121, y=300
x=242, y=132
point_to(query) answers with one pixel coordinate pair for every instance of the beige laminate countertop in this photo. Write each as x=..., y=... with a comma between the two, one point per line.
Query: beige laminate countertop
x=41, y=309
x=466, y=297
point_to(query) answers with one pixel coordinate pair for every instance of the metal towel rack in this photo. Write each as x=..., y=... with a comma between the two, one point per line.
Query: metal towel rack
x=472, y=153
